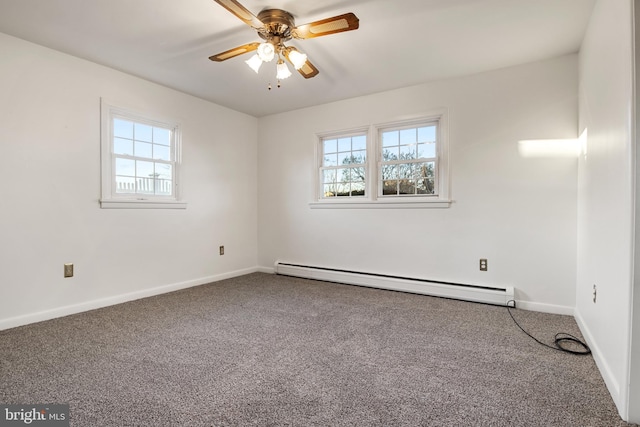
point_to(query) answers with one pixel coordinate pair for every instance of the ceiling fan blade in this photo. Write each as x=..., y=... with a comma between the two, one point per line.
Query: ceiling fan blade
x=241, y=12
x=324, y=27
x=308, y=70
x=232, y=53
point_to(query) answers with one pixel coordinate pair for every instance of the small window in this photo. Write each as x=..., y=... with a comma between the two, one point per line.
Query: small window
x=408, y=160
x=343, y=168
x=140, y=160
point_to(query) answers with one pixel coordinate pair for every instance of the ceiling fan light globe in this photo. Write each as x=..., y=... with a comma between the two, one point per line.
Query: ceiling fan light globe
x=298, y=59
x=282, y=71
x=266, y=51
x=254, y=63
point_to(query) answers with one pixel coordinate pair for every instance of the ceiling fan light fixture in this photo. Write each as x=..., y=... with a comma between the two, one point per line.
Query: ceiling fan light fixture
x=276, y=27
x=254, y=62
x=298, y=59
x=266, y=51
x=282, y=71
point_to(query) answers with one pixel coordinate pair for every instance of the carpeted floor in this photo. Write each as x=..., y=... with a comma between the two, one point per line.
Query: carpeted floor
x=269, y=350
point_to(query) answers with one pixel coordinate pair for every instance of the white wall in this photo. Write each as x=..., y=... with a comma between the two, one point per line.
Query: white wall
x=634, y=361
x=50, y=186
x=518, y=212
x=605, y=192
x=634, y=353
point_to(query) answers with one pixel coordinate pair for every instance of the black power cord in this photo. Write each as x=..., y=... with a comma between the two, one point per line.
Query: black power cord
x=559, y=340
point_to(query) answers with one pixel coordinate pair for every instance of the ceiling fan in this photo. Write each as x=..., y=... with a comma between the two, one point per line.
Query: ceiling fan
x=276, y=27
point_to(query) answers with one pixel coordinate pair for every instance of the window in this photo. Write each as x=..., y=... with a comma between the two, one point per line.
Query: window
x=408, y=162
x=140, y=160
x=405, y=164
x=343, y=168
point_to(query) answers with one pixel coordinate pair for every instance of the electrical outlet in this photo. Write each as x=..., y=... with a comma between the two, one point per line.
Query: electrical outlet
x=483, y=264
x=221, y=250
x=595, y=293
x=68, y=270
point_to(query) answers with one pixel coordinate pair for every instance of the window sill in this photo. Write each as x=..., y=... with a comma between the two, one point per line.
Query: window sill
x=141, y=204
x=381, y=204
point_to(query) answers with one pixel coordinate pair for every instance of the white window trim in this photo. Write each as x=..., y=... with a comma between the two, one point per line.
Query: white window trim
x=110, y=200
x=319, y=156
x=372, y=198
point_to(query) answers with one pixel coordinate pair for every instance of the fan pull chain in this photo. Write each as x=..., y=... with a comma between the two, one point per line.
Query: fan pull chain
x=269, y=87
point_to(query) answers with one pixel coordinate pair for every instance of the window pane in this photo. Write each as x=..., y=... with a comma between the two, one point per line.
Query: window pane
x=427, y=134
x=431, y=170
x=405, y=170
x=163, y=170
x=161, y=152
x=389, y=172
x=419, y=170
x=329, y=176
x=427, y=150
x=125, y=184
x=163, y=187
x=143, y=132
x=357, y=189
x=426, y=186
x=125, y=167
x=424, y=170
x=144, y=169
x=344, y=144
x=389, y=138
x=343, y=175
x=143, y=149
x=343, y=189
x=359, y=156
x=330, y=146
x=122, y=128
x=389, y=187
x=330, y=160
x=407, y=136
x=389, y=154
x=123, y=146
x=145, y=185
x=406, y=186
x=329, y=190
x=344, y=158
x=357, y=174
x=407, y=152
x=359, y=142
x=162, y=136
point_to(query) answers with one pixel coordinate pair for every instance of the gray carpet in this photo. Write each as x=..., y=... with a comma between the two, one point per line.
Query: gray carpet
x=270, y=350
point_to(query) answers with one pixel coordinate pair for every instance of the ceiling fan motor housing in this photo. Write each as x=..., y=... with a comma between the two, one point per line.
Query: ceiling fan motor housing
x=277, y=25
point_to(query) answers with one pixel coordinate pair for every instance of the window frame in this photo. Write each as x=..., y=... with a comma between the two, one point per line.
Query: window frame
x=109, y=197
x=373, y=184
x=399, y=126
x=320, y=168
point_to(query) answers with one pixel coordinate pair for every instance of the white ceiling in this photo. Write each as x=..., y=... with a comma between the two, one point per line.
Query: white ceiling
x=399, y=43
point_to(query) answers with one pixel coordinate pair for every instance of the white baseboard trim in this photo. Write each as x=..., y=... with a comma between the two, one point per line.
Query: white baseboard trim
x=54, y=313
x=545, y=308
x=605, y=370
x=524, y=305
x=497, y=295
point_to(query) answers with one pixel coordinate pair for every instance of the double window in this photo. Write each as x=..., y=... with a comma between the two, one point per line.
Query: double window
x=140, y=160
x=394, y=163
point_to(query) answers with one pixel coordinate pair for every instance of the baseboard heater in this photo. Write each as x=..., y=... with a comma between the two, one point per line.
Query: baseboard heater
x=465, y=292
